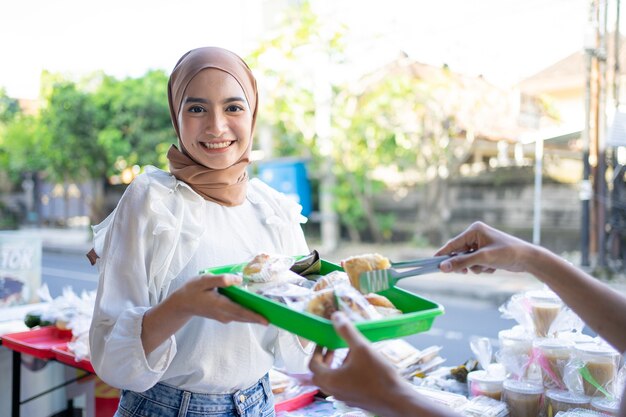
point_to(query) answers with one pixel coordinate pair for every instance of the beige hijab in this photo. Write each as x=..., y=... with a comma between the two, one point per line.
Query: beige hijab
x=223, y=186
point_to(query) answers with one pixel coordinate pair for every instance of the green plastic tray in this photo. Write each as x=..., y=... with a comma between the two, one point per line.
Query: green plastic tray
x=418, y=316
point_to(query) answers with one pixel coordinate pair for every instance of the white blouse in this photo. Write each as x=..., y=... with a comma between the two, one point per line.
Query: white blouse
x=160, y=235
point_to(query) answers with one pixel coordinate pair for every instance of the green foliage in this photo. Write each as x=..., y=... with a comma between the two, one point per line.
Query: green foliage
x=133, y=120
x=22, y=138
x=9, y=107
x=68, y=143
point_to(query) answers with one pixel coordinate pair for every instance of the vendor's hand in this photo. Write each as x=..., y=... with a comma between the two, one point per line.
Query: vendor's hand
x=199, y=297
x=490, y=249
x=364, y=379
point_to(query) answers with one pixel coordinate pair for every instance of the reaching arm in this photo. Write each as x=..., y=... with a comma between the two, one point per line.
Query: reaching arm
x=366, y=381
x=602, y=308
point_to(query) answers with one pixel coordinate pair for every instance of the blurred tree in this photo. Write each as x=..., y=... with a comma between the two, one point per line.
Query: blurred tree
x=69, y=138
x=9, y=107
x=134, y=128
x=133, y=121
x=90, y=130
x=389, y=125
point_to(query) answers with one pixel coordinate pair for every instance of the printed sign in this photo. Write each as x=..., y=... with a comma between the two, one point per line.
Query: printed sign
x=20, y=268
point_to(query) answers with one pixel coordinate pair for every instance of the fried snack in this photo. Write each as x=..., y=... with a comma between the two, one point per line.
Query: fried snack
x=255, y=266
x=382, y=305
x=323, y=304
x=355, y=307
x=379, y=300
x=355, y=265
x=330, y=280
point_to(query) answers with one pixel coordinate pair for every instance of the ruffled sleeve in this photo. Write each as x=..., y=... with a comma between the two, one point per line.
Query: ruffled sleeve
x=139, y=249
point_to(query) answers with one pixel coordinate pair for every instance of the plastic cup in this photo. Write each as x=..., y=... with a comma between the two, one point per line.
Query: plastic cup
x=515, y=341
x=482, y=383
x=552, y=355
x=545, y=306
x=605, y=406
x=601, y=361
x=561, y=400
x=515, y=351
x=523, y=398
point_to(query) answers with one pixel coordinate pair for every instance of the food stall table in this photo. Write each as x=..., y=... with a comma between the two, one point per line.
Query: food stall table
x=40, y=343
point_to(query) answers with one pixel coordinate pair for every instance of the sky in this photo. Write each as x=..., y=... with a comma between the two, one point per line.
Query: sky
x=503, y=40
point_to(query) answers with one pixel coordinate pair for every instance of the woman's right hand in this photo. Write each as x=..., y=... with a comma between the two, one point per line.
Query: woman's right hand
x=199, y=297
x=487, y=249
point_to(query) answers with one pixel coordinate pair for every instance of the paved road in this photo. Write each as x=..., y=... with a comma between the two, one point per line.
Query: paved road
x=59, y=270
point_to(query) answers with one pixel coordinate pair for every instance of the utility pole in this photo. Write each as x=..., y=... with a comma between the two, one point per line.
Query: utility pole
x=593, y=234
x=323, y=103
x=600, y=177
x=585, y=187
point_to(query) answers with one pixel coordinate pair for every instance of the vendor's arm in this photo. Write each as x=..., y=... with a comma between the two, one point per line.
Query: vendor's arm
x=367, y=381
x=198, y=297
x=600, y=307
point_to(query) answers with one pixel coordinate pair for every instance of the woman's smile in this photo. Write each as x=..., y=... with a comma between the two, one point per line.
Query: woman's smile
x=214, y=146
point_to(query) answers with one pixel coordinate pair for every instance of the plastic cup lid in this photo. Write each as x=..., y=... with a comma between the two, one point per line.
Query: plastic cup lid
x=483, y=376
x=550, y=343
x=515, y=334
x=543, y=296
x=568, y=397
x=596, y=349
x=522, y=387
x=605, y=404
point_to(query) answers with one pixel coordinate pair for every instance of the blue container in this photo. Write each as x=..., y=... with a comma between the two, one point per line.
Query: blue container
x=288, y=176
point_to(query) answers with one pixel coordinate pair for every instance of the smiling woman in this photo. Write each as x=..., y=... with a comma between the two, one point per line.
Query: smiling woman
x=158, y=327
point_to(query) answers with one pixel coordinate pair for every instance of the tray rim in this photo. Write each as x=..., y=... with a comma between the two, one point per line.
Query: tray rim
x=62, y=354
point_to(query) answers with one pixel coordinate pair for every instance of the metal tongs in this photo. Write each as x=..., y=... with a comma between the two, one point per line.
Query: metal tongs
x=382, y=279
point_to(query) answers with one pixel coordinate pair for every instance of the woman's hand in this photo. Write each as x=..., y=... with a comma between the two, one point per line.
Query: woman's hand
x=490, y=249
x=199, y=297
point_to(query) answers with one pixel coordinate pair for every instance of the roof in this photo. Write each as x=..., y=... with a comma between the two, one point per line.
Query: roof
x=569, y=72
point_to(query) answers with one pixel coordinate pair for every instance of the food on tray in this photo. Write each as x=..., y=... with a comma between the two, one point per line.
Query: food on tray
x=323, y=304
x=379, y=300
x=272, y=276
x=331, y=280
x=269, y=268
x=308, y=265
x=382, y=304
x=355, y=265
x=255, y=266
x=342, y=298
x=354, y=304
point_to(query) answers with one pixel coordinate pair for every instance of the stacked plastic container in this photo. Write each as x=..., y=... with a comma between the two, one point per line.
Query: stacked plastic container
x=551, y=366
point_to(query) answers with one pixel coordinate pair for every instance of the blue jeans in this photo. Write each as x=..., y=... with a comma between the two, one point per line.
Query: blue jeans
x=165, y=401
